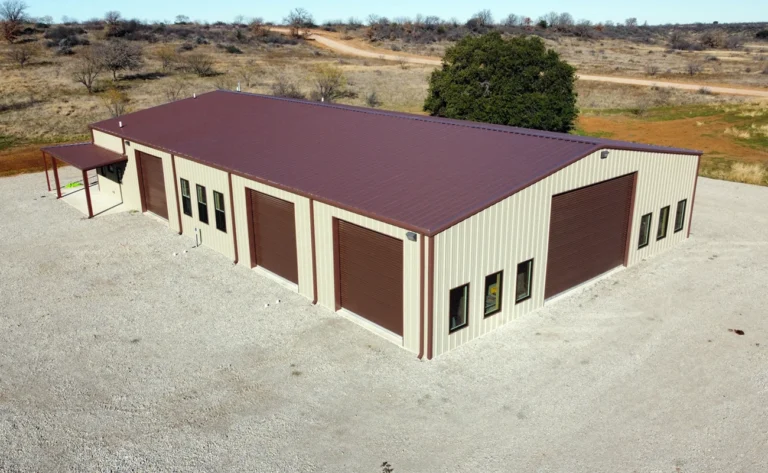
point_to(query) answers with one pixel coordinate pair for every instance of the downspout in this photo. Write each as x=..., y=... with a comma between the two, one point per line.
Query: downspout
x=232, y=214
x=430, y=297
x=312, y=244
x=421, y=297
x=175, y=189
x=693, y=198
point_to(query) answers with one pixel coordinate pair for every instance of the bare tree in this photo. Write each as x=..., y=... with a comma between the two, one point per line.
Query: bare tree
x=512, y=20
x=87, y=68
x=167, y=55
x=116, y=101
x=483, y=18
x=118, y=56
x=299, y=21
x=248, y=72
x=13, y=13
x=112, y=18
x=181, y=19
x=239, y=20
x=630, y=22
x=174, y=89
x=330, y=83
x=21, y=54
x=258, y=28
x=552, y=18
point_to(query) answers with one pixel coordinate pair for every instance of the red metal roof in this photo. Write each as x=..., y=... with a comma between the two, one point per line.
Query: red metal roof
x=420, y=173
x=84, y=156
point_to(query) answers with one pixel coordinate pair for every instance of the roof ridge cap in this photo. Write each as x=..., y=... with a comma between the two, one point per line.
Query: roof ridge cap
x=407, y=116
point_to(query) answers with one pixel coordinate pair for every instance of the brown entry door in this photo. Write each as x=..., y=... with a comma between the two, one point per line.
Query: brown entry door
x=588, y=232
x=272, y=235
x=370, y=275
x=153, y=184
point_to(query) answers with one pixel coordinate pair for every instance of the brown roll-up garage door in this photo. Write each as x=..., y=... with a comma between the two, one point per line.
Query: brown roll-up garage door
x=370, y=275
x=272, y=234
x=588, y=232
x=153, y=184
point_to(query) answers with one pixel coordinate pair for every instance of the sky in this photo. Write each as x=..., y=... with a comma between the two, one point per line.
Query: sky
x=652, y=11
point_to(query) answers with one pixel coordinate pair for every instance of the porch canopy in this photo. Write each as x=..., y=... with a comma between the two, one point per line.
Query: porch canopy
x=83, y=156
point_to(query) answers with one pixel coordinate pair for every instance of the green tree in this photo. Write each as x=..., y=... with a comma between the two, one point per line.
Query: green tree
x=516, y=82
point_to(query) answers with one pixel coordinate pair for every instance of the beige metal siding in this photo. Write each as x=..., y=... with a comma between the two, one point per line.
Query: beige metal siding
x=303, y=228
x=324, y=215
x=213, y=180
x=517, y=228
x=107, y=141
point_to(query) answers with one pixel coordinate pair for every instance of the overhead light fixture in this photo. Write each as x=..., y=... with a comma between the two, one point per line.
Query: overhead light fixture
x=604, y=154
x=411, y=236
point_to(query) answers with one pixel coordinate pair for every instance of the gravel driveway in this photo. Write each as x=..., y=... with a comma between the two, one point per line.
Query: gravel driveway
x=116, y=355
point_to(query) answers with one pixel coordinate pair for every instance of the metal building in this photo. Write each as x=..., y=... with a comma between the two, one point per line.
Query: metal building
x=428, y=231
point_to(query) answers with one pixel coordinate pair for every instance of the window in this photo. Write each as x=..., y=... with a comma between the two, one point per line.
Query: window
x=459, y=308
x=202, y=204
x=218, y=207
x=680, y=215
x=186, y=199
x=645, y=231
x=493, y=293
x=663, y=223
x=524, y=281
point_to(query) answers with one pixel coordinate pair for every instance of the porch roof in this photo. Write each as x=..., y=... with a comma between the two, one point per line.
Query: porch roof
x=84, y=156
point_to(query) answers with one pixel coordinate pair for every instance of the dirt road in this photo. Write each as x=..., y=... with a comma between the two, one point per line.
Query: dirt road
x=345, y=48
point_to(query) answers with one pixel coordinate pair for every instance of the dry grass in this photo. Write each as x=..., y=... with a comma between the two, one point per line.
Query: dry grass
x=752, y=173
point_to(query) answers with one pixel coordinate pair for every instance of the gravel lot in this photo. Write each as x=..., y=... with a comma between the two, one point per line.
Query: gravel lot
x=116, y=355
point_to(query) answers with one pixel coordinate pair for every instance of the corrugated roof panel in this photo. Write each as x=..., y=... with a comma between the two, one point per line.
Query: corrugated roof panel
x=422, y=173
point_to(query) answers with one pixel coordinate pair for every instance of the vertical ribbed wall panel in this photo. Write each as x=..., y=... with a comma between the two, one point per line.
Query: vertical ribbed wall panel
x=517, y=229
x=324, y=215
x=213, y=180
x=303, y=228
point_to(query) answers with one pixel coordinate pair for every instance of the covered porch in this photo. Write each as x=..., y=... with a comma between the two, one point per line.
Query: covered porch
x=84, y=157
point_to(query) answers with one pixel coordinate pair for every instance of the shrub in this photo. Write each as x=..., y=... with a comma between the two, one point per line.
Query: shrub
x=232, y=49
x=330, y=83
x=198, y=63
x=167, y=56
x=186, y=47
x=372, y=99
x=116, y=101
x=283, y=87
x=693, y=68
x=651, y=69
x=762, y=34
x=481, y=80
x=22, y=54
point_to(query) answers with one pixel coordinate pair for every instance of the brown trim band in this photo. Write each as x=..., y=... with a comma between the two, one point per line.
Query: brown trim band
x=251, y=231
x=430, y=298
x=232, y=214
x=693, y=198
x=631, y=219
x=336, y=264
x=87, y=186
x=421, y=296
x=175, y=191
x=45, y=164
x=312, y=244
x=56, y=177
x=140, y=174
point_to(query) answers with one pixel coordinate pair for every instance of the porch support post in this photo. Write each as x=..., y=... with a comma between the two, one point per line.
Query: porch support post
x=87, y=193
x=47, y=179
x=56, y=177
